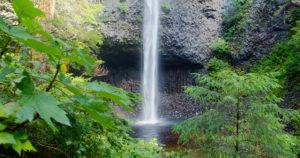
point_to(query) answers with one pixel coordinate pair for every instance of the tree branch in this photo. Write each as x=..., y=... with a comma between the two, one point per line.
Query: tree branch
x=47, y=90
x=24, y=123
x=5, y=46
x=54, y=148
x=54, y=78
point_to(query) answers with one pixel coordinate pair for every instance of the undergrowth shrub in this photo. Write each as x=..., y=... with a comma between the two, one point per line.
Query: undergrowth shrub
x=234, y=14
x=166, y=7
x=124, y=8
x=215, y=65
x=284, y=60
x=221, y=49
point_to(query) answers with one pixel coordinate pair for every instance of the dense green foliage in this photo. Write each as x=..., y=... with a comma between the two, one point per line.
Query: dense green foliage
x=233, y=16
x=242, y=118
x=78, y=21
x=221, y=49
x=166, y=7
x=124, y=8
x=285, y=60
x=53, y=111
x=215, y=65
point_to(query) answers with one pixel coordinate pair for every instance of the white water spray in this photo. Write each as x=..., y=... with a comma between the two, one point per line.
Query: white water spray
x=150, y=57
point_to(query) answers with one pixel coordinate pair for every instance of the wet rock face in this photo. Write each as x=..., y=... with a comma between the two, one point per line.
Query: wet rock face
x=179, y=106
x=122, y=22
x=261, y=30
x=174, y=104
x=187, y=27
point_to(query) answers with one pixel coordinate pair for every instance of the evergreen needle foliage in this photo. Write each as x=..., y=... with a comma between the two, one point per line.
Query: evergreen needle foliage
x=242, y=118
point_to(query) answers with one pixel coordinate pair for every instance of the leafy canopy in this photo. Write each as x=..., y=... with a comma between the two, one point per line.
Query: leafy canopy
x=28, y=95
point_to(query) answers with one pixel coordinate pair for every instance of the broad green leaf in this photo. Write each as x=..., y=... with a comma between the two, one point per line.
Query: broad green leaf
x=88, y=101
x=98, y=105
x=103, y=119
x=5, y=71
x=7, y=138
x=26, y=112
x=84, y=99
x=18, y=146
x=42, y=47
x=2, y=126
x=27, y=146
x=95, y=108
x=73, y=89
x=11, y=108
x=26, y=85
x=83, y=57
x=2, y=111
x=112, y=93
x=36, y=28
x=21, y=33
x=20, y=135
x=25, y=8
x=67, y=82
x=3, y=25
x=46, y=106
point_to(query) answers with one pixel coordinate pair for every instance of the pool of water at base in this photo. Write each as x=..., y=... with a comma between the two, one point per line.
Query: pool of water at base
x=162, y=131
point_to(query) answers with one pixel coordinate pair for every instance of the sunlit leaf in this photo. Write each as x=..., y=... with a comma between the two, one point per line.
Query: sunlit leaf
x=27, y=146
x=25, y=8
x=18, y=146
x=46, y=106
x=2, y=126
x=7, y=138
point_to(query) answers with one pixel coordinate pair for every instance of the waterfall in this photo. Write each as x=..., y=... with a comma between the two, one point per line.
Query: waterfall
x=150, y=60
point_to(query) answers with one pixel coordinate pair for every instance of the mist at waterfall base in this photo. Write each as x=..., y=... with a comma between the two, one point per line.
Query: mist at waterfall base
x=161, y=131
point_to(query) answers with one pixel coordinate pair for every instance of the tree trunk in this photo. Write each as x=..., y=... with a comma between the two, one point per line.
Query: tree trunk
x=48, y=7
x=237, y=124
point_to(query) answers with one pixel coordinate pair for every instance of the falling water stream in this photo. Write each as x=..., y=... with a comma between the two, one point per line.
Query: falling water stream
x=150, y=126
x=150, y=60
